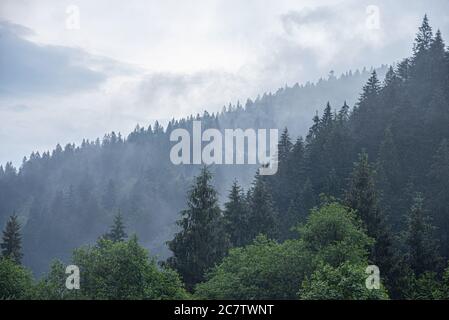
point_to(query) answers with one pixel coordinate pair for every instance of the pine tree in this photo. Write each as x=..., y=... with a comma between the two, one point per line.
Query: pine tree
x=343, y=114
x=439, y=66
x=439, y=175
x=236, y=216
x=284, y=146
x=371, y=89
x=362, y=197
x=202, y=241
x=117, y=232
x=262, y=217
x=12, y=240
x=280, y=184
x=327, y=117
x=423, y=39
x=368, y=117
x=421, y=246
x=388, y=167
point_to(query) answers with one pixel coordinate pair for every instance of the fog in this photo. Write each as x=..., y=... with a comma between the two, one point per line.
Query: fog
x=74, y=70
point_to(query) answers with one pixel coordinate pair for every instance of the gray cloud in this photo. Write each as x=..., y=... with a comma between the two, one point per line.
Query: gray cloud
x=190, y=59
x=30, y=69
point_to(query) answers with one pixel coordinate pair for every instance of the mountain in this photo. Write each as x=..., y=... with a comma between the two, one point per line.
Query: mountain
x=67, y=197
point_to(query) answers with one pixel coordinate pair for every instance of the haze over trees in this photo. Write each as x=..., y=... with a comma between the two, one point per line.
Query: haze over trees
x=365, y=185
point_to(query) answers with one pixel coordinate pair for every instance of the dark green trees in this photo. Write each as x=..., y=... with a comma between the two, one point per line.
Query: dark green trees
x=12, y=241
x=236, y=217
x=202, y=241
x=438, y=194
x=262, y=216
x=422, y=250
x=423, y=38
x=328, y=261
x=362, y=196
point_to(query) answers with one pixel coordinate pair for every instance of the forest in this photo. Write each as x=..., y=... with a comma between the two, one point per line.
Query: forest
x=366, y=185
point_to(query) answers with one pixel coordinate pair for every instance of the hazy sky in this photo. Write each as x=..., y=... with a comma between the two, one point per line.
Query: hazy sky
x=77, y=69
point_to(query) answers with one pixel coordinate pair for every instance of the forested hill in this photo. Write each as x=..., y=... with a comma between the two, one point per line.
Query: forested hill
x=68, y=196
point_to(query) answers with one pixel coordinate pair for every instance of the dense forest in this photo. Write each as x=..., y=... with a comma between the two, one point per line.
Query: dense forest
x=66, y=197
x=367, y=185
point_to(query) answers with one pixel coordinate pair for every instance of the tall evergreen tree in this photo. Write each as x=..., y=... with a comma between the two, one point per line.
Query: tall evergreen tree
x=439, y=189
x=362, y=196
x=421, y=247
x=424, y=37
x=202, y=241
x=12, y=240
x=388, y=167
x=236, y=216
x=117, y=232
x=262, y=217
x=371, y=89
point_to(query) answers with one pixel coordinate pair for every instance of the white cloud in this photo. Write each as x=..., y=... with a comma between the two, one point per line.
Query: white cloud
x=174, y=58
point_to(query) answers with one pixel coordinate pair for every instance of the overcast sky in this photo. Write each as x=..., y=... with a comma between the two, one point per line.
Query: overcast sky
x=77, y=69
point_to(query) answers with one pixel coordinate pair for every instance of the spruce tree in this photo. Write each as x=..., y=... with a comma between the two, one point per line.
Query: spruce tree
x=372, y=88
x=12, y=240
x=388, y=167
x=421, y=246
x=362, y=196
x=117, y=232
x=236, y=216
x=202, y=241
x=262, y=217
x=280, y=184
x=423, y=39
x=439, y=201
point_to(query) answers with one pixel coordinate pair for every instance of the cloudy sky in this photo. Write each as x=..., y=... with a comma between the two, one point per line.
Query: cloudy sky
x=77, y=69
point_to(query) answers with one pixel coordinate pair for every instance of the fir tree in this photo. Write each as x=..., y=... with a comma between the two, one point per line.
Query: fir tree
x=236, y=216
x=12, y=240
x=202, y=241
x=362, y=196
x=117, y=232
x=439, y=175
x=263, y=217
x=371, y=88
x=423, y=38
x=421, y=246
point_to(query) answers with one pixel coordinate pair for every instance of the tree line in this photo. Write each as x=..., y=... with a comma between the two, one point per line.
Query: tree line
x=367, y=186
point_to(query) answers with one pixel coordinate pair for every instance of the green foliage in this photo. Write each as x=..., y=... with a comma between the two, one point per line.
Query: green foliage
x=268, y=270
x=335, y=235
x=264, y=269
x=122, y=270
x=52, y=285
x=422, y=250
x=262, y=217
x=236, y=217
x=345, y=282
x=202, y=241
x=15, y=281
x=117, y=232
x=362, y=196
x=12, y=240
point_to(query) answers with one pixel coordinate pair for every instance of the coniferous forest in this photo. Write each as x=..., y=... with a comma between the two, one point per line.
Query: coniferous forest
x=367, y=185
